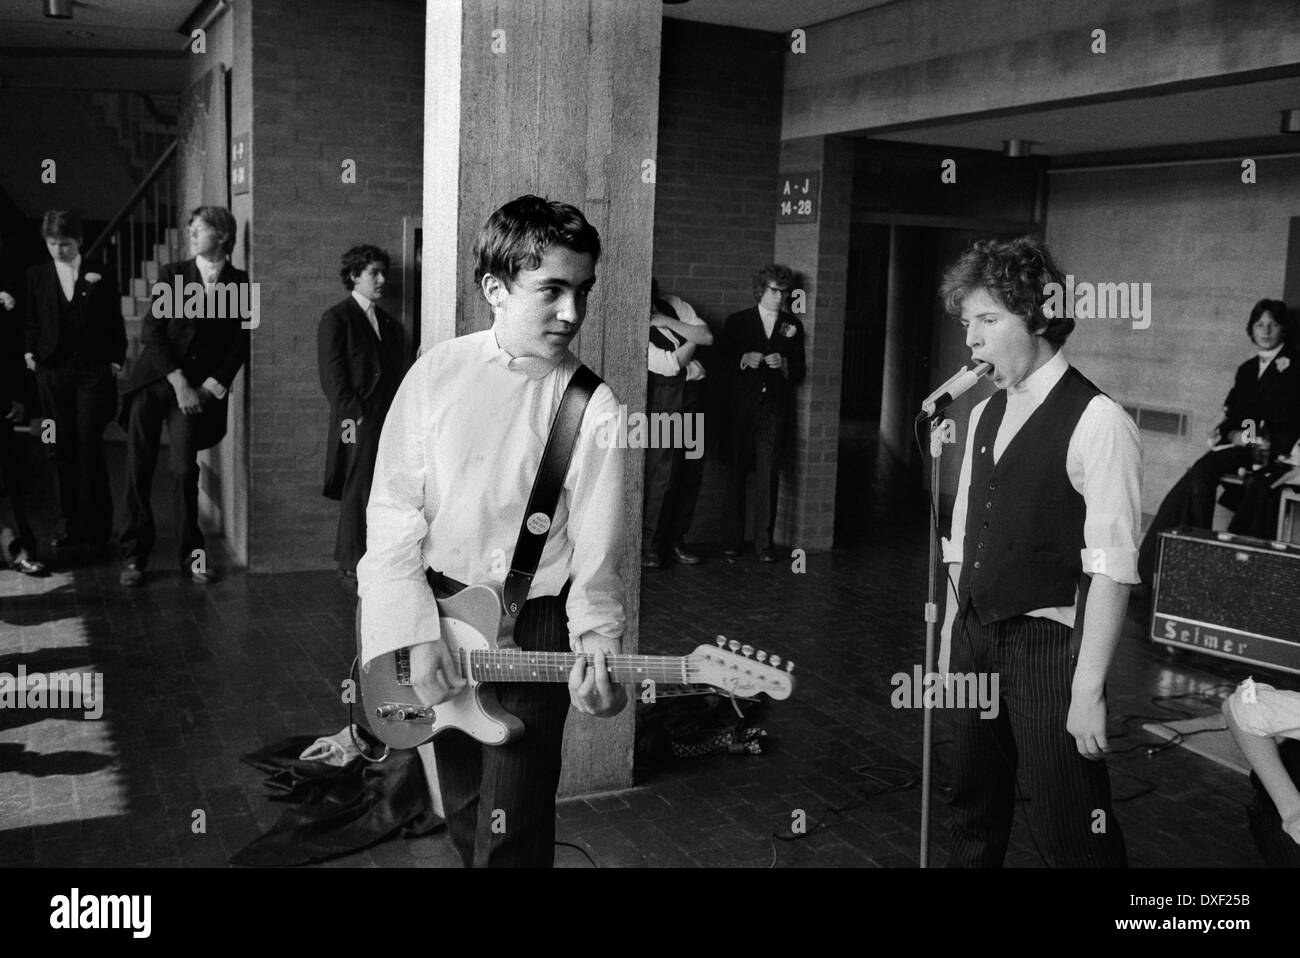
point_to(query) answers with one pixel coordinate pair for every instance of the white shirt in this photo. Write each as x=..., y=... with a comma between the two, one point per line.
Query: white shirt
x=209, y=269
x=368, y=307
x=457, y=459
x=664, y=361
x=1266, y=357
x=686, y=313
x=1104, y=464
x=68, y=273
x=1271, y=713
x=769, y=320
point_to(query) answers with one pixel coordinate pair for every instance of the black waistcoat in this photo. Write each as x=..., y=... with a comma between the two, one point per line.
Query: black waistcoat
x=1024, y=520
x=73, y=340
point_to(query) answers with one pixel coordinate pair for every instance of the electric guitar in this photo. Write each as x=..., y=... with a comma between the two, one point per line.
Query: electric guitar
x=471, y=625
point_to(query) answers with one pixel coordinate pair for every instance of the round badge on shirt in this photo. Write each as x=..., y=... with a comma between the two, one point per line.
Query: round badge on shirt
x=538, y=523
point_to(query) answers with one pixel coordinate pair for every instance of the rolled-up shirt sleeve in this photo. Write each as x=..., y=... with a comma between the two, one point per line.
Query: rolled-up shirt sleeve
x=1105, y=465
x=1262, y=710
x=662, y=361
x=595, y=493
x=397, y=606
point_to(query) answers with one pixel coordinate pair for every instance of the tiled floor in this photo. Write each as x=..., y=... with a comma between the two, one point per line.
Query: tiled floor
x=196, y=677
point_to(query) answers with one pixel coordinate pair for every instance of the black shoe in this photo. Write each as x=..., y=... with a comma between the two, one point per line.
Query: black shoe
x=684, y=557
x=67, y=540
x=729, y=552
x=28, y=566
x=650, y=559
x=132, y=575
x=767, y=555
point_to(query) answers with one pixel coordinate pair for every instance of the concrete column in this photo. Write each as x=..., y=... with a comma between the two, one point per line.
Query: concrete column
x=819, y=253
x=894, y=421
x=558, y=98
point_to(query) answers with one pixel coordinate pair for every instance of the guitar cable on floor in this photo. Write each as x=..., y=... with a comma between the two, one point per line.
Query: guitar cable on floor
x=910, y=781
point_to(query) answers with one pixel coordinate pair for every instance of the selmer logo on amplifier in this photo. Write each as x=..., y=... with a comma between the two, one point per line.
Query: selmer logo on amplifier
x=1230, y=596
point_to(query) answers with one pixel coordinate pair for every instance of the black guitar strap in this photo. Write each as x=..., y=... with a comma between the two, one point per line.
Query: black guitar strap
x=546, y=488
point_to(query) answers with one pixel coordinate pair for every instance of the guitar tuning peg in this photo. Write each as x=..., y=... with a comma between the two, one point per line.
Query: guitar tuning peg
x=789, y=666
x=761, y=655
x=747, y=650
x=775, y=661
x=733, y=645
x=722, y=641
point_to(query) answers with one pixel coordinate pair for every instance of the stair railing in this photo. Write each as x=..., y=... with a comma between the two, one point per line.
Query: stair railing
x=141, y=237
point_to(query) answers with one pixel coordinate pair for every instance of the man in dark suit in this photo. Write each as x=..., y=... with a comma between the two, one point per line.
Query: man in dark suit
x=76, y=342
x=764, y=350
x=1265, y=395
x=361, y=354
x=182, y=377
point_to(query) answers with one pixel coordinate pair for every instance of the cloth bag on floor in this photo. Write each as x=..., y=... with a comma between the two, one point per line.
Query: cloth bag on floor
x=337, y=810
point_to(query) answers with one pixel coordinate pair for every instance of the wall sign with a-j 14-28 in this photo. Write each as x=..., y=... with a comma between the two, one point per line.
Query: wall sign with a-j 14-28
x=798, y=199
x=241, y=161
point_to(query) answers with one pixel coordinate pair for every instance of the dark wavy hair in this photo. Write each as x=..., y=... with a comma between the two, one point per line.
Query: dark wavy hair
x=1278, y=310
x=517, y=236
x=772, y=273
x=1014, y=272
x=358, y=259
x=221, y=220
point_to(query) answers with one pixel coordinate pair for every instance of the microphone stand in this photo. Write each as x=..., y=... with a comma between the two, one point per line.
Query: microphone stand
x=932, y=410
x=931, y=625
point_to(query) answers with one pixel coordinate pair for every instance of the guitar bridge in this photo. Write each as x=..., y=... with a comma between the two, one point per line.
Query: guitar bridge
x=402, y=665
x=399, y=712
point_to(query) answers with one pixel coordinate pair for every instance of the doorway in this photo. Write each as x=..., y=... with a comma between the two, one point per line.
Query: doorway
x=898, y=345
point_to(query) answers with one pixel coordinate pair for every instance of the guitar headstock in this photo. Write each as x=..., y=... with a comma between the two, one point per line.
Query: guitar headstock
x=740, y=670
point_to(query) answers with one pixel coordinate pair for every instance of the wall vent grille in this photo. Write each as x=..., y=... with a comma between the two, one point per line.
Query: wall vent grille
x=1166, y=422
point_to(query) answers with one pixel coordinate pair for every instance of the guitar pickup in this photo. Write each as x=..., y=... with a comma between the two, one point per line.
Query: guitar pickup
x=399, y=712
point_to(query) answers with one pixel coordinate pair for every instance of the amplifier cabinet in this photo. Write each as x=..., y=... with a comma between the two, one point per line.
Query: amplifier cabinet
x=1231, y=596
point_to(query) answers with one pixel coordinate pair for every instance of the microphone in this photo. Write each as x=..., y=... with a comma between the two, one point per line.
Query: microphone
x=958, y=385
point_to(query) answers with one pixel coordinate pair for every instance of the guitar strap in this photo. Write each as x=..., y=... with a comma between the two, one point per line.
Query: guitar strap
x=546, y=490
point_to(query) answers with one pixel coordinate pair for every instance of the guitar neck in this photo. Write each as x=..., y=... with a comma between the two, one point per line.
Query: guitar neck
x=514, y=665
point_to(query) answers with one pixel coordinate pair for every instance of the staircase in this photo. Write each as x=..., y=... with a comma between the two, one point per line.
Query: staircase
x=136, y=297
x=140, y=125
x=145, y=234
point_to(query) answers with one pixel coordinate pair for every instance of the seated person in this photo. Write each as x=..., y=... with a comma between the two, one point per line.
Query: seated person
x=1258, y=716
x=1265, y=393
x=1261, y=495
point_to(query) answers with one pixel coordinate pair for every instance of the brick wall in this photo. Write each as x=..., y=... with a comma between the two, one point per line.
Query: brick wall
x=819, y=253
x=719, y=147
x=313, y=106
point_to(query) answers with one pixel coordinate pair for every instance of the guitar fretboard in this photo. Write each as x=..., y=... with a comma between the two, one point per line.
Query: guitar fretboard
x=517, y=666
x=513, y=665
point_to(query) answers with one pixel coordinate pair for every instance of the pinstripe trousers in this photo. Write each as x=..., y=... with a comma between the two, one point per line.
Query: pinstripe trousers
x=500, y=799
x=1067, y=797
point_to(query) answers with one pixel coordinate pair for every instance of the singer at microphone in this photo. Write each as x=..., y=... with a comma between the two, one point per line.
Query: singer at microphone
x=1046, y=518
x=954, y=388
